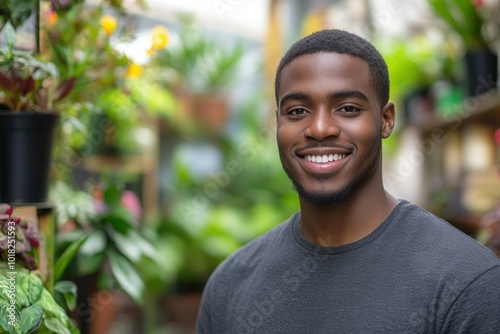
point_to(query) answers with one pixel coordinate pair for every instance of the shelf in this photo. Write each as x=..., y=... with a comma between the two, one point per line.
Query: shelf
x=480, y=108
x=461, y=161
x=41, y=214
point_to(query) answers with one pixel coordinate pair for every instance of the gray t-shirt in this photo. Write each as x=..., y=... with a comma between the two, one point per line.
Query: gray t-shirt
x=414, y=274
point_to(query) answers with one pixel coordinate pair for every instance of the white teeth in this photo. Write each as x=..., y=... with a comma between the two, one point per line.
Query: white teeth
x=325, y=158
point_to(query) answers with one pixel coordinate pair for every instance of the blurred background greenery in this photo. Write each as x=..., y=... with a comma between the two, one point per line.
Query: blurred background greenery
x=165, y=160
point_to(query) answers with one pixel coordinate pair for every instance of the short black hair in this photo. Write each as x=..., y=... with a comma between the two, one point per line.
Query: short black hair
x=339, y=41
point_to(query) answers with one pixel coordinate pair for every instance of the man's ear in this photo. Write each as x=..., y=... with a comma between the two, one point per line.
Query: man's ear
x=388, y=118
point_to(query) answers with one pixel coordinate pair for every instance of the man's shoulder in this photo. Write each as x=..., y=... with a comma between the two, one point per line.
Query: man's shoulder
x=442, y=241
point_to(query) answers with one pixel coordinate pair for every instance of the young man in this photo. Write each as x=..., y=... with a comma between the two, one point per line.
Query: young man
x=354, y=259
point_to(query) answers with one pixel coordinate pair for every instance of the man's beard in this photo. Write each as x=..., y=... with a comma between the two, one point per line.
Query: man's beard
x=325, y=197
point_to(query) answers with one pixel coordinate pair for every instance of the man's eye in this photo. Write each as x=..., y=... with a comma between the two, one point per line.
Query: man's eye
x=297, y=111
x=350, y=109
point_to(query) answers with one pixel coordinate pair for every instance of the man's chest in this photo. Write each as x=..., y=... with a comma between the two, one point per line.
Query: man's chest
x=310, y=299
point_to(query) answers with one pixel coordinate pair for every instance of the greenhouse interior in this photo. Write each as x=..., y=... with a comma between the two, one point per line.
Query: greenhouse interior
x=151, y=154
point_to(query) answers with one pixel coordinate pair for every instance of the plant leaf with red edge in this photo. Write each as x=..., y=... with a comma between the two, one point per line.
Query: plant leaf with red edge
x=64, y=89
x=6, y=82
x=15, y=75
x=27, y=85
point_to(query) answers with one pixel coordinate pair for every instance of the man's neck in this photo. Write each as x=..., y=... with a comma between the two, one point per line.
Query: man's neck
x=343, y=223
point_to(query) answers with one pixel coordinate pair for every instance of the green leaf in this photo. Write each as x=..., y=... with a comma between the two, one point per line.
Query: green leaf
x=10, y=34
x=462, y=17
x=133, y=246
x=49, y=306
x=147, y=248
x=95, y=244
x=30, y=287
x=69, y=291
x=127, y=276
x=68, y=255
x=120, y=221
x=31, y=318
x=112, y=193
x=20, y=11
x=4, y=288
x=126, y=247
x=5, y=321
x=56, y=325
x=22, y=299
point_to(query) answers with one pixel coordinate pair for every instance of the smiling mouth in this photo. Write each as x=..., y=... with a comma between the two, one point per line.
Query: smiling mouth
x=325, y=158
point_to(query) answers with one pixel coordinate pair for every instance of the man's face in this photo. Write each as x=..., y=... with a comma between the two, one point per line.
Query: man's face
x=329, y=126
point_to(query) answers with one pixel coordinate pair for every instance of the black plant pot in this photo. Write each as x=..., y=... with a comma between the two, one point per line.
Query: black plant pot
x=26, y=140
x=481, y=69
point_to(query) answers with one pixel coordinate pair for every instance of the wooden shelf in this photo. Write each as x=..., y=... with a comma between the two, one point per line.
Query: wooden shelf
x=42, y=216
x=472, y=189
x=483, y=108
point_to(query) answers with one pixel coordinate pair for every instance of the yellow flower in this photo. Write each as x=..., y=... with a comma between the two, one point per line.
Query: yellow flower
x=134, y=70
x=160, y=37
x=108, y=23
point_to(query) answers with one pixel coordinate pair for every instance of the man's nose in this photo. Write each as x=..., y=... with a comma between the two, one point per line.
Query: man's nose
x=322, y=125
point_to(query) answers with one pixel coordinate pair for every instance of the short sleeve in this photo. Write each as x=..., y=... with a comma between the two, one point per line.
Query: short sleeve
x=477, y=309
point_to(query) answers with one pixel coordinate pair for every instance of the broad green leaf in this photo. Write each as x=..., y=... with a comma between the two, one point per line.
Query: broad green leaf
x=67, y=238
x=29, y=288
x=127, y=276
x=49, y=306
x=22, y=299
x=68, y=255
x=146, y=247
x=4, y=288
x=6, y=319
x=31, y=318
x=112, y=193
x=133, y=246
x=20, y=11
x=127, y=248
x=56, y=325
x=10, y=34
x=96, y=243
x=69, y=291
x=119, y=220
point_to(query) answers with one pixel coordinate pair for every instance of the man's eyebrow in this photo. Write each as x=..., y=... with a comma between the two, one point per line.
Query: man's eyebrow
x=294, y=96
x=348, y=93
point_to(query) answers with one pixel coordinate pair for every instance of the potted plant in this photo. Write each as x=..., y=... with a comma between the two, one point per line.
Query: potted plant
x=26, y=305
x=465, y=17
x=31, y=308
x=199, y=69
x=112, y=100
x=113, y=258
x=29, y=89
